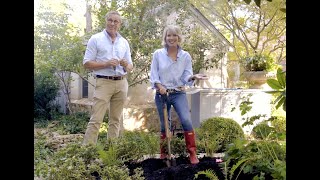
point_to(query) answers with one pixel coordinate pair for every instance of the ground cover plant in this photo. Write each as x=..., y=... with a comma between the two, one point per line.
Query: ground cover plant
x=126, y=157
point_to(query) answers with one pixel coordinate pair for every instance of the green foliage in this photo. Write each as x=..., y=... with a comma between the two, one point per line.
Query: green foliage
x=208, y=173
x=279, y=123
x=279, y=170
x=252, y=31
x=197, y=44
x=178, y=146
x=256, y=157
x=259, y=63
x=277, y=130
x=260, y=158
x=41, y=151
x=219, y=131
x=109, y=156
x=46, y=87
x=68, y=163
x=56, y=44
x=258, y=3
x=242, y=162
x=245, y=105
x=143, y=26
x=58, y=47
x=279, y=87
x=74, y=123
x=132, y=145
x=261, y=130
x=77, y=161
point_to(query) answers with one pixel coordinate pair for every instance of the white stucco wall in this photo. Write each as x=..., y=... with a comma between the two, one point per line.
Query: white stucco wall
x=208, y=103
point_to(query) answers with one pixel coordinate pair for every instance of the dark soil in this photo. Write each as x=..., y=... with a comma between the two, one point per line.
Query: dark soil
x=157, y=169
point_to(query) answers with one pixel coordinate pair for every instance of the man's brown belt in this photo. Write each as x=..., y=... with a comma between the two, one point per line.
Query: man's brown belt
x=111, y=77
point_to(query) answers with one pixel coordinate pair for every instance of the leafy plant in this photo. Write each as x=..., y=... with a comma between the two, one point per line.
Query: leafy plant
x=46, y=87
x=132, y=145
x=220, y=131
x=279, y=88
x=74, y=123
x=68, y=163
x=178, y=146
x=109, y=156
x=208, y=173
x=279, y=124
x=259, y=63
x=261, y=130
x=257, y=158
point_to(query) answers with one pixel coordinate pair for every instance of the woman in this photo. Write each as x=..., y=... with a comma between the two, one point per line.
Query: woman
x=171, y=71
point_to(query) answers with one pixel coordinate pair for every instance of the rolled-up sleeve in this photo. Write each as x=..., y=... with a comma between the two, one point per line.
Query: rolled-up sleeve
x=187, y=73
x=91, y=50
x=127, y=54
x=154, y=73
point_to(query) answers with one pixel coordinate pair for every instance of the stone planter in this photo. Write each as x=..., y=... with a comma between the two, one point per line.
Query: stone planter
x=257, y=79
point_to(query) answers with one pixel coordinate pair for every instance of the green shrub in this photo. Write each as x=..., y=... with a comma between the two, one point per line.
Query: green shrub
x=279, y=123
x=277, y=130
x=261, y=130
x=259, y=63
x=46, y=87
x=257, y=158
x=132, y=145
x=41, y=151
x=68, y=163
x=216, y=133
x=76, y=161
x=178, y=146
x=74, y=123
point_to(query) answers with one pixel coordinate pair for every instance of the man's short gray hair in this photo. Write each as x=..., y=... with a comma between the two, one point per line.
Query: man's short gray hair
x=112, y=12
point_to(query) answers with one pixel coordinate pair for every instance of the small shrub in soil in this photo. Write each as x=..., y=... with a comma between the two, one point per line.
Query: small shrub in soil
x=216, y=133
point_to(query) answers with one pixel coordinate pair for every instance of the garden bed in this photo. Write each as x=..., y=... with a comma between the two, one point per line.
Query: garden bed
x=156, y=169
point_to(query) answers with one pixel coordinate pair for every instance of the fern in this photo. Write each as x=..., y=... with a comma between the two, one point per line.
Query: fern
x=234, y=167
x=208, y=173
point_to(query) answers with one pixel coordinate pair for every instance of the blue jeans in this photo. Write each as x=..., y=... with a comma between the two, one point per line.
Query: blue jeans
x=180, y=103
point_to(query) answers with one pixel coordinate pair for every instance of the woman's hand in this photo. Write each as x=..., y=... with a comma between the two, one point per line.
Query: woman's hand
x=199, y=77
x=162, y=90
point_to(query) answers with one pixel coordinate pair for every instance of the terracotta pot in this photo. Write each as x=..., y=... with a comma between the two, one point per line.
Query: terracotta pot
x=257, y=78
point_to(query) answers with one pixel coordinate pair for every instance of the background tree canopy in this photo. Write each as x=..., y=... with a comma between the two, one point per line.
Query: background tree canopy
x=59, y=46
x=251, y=30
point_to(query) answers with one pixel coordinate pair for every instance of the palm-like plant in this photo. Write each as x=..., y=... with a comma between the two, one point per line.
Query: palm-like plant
x=279, y=87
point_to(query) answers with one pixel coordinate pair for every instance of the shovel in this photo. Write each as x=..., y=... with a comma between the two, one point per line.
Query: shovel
x=169, y=160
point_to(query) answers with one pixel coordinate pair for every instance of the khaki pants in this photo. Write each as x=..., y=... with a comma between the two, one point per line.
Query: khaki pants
x=107, y=92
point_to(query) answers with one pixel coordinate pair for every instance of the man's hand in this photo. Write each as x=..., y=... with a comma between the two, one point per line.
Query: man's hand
x=123, y=63
x=113, y=62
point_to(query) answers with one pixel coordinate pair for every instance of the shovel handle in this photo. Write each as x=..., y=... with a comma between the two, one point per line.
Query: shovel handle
x=166, y=125
x=165, y=117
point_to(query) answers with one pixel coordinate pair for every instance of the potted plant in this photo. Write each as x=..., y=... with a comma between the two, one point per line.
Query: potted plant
x=258, y=68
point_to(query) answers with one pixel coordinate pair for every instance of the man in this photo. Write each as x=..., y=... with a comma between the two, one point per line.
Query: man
x=108, y=56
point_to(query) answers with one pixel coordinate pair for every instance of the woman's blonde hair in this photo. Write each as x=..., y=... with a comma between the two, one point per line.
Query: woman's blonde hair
x=173, y=29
